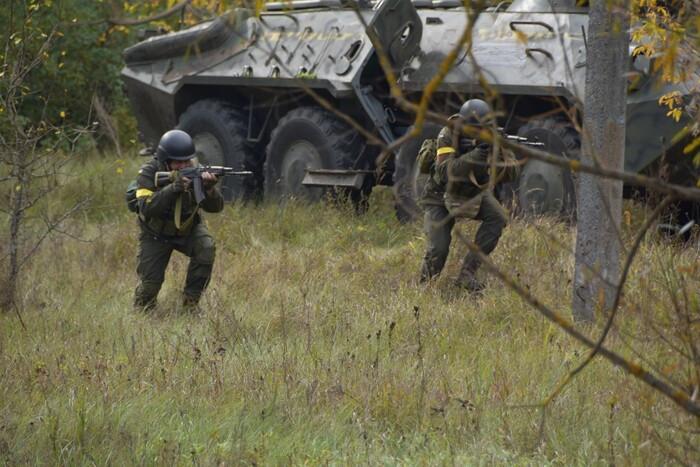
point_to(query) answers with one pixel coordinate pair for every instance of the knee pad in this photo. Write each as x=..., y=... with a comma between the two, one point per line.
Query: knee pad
x=205, y=251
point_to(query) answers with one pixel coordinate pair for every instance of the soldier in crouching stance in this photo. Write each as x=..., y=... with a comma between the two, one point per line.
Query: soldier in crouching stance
x=457, y=188
x=170, y=220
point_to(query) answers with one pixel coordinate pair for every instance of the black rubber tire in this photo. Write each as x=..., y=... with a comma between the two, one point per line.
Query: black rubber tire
x=307, y=137
x=219, y=133
x=408, y=182
x=544, y=188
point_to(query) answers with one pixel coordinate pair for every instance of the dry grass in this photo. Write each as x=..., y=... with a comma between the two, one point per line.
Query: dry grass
x=318, y=346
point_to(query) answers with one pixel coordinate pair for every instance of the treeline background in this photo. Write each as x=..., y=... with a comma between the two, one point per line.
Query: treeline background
x=78, y=81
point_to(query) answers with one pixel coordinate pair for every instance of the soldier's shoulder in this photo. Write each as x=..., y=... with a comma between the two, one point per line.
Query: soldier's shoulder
x=445, y=137
x=147, y=172
x=446, y=131
x=149, y=167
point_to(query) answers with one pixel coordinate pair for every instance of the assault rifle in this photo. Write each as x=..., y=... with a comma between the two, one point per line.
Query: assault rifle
x=195, y=174
x=465, y=143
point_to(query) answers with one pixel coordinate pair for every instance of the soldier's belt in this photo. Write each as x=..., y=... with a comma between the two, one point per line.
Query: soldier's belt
x=167, y=228
x=459, y=206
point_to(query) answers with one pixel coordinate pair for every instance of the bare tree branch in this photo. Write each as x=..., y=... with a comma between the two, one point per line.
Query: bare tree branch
x=654, y=184
x=50, y=227
x=679, y=397
x=616, y=303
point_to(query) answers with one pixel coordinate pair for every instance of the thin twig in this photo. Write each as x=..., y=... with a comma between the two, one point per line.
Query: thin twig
x=677, y=396
x=616, y=302
x=19, y=314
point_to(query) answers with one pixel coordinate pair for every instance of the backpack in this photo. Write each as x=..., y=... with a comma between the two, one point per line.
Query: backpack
x=426, y=155
x=130, y=196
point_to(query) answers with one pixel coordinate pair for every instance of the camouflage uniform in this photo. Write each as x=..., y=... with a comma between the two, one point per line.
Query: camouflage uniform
x=160, y=236
x=457, y=181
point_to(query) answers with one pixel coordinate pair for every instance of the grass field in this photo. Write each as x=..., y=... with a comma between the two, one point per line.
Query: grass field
x=317, y=346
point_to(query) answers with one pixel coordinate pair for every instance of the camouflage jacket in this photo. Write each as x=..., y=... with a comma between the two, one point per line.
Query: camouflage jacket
x=434, y=189
x=455, y=174
x=465, y=176
x=157, y=204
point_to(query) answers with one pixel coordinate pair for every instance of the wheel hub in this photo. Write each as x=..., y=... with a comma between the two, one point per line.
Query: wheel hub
x=542, y=188
x=300, y=155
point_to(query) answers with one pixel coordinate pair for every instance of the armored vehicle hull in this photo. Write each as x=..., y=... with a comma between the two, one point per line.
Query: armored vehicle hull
x=297, y=95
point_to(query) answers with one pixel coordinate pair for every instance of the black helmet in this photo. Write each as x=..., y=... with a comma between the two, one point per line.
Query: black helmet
x=175, y=145
x=475, y=112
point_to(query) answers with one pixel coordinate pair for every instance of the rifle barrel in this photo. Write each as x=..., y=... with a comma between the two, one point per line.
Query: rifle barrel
x=523, y=140
x=221, y=170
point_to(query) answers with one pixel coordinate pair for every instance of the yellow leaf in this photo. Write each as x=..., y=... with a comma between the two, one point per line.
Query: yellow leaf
x=120, y=170
x=692, y=146
x=628, y=218
x=18, y=187
x=670, y=99
x=62, y=114
x=520, y=37
x=675, y=114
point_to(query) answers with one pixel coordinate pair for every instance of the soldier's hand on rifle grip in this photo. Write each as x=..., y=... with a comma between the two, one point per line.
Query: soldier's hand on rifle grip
x=209, y=180
x=181, y=184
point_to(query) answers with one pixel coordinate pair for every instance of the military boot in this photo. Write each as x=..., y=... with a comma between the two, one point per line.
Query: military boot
x=425, y=273
x=467, y=275
x=145, y=297
x=190, y=305
x=144, y=306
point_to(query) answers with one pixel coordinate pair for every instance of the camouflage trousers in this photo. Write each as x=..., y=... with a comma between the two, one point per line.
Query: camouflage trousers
x=438, y=224
x=154, y=256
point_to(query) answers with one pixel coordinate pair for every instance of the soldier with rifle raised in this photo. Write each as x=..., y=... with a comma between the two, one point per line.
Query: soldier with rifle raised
x=171, y=191
x=458, y=188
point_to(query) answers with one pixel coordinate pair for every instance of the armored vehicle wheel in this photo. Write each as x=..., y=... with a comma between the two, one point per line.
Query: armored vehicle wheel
x=219, y=134
x=408, y=181
x=307, y=138
x=544, y=188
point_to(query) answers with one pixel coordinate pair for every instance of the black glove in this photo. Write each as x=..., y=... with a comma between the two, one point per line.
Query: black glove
x=484, y=150
x=209, y=183
x=178, y=186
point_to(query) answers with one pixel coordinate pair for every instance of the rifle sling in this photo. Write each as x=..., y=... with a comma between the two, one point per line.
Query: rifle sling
x=178, y=214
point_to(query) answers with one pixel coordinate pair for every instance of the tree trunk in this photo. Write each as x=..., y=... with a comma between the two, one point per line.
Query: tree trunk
x=599, y=201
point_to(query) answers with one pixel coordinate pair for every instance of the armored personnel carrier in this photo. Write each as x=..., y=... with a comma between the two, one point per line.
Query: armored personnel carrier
x=293, y=93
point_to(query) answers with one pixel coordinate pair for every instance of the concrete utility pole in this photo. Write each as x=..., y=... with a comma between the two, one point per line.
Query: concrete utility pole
x=599, y=201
